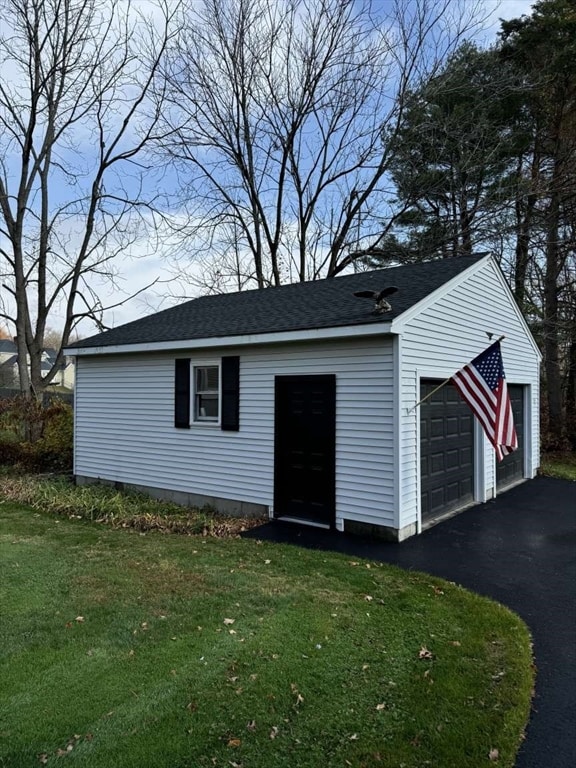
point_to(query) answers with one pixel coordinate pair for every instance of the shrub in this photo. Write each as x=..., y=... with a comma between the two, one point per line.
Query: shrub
x=36, y=437
x=53, y=450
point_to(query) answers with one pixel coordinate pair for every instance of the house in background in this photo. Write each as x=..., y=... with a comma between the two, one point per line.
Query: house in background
x=298, y=401
x=9, y=377
x=8, y=364
x=7, y=349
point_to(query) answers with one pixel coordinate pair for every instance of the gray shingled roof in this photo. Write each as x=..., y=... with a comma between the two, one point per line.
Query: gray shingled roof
x=299, y=306
x=6, y=345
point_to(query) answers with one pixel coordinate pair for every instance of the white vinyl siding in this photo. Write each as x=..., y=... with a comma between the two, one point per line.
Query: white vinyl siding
x=125, y=425
x=441, y=339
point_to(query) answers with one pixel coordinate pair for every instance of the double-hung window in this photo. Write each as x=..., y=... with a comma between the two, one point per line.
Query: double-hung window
x=206, y=392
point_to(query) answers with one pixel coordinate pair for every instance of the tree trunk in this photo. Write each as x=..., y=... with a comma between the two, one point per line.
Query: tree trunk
x=524, y=220
x=556, y=425
x=571, y=384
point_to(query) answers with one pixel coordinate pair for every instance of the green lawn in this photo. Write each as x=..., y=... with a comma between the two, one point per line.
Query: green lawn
x=126, y=649
x=562, y=465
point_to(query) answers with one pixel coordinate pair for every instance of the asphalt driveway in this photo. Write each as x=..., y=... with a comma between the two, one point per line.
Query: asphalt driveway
x=520, y=550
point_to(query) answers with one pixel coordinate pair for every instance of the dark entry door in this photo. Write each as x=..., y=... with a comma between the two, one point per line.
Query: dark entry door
x=446, y=451
x=305, y=448
x=511, y=468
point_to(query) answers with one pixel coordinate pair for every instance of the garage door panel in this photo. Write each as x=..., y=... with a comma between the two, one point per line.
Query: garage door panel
x=446, y=449
x=453, y=492
x=452, y=426
x=424, y=465
x=437, y=464
x=511, y=469
x=437, y=498
x=437, y=428
x=453, y=459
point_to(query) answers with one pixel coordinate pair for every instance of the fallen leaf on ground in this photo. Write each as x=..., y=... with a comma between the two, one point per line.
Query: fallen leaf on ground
x=251, y=725
x=354, y=737
x=494, y=754
x=424, y=653
x=79, y=619
x=274, y=732
x=368, y=598
x=380, y=707
x=229, y=621
x=234, y=742
x=43, y=758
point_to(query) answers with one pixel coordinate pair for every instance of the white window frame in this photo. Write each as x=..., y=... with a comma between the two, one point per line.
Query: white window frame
x=205, y=421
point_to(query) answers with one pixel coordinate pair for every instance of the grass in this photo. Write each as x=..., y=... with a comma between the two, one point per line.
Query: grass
x=120, y=649
x=561, y=465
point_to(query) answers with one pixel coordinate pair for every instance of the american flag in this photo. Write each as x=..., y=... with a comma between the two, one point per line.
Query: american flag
x=482, y=385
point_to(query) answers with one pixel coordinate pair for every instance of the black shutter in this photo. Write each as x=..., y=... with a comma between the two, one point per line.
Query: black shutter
x=182, y=393
x=230, y=394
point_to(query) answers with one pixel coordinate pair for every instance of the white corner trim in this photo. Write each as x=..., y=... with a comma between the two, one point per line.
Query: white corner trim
x=419, y=376
x=480, y=494
x=313, y=334
x=527, y=471
x=399, y=322
x=398, y=425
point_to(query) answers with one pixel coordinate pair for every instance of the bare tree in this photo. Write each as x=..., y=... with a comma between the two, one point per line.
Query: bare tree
x=75, y=78
x=279, y=119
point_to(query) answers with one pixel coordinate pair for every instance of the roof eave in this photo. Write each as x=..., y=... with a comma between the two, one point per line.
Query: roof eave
x=309, y=334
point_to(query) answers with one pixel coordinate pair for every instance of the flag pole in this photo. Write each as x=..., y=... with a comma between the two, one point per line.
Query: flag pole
x=443, y=384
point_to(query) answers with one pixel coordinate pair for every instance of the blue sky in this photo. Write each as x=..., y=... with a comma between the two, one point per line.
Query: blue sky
x=136, y=268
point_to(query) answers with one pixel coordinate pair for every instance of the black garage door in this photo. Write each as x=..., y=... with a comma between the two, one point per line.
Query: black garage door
x=511, y=468
x=446, y=451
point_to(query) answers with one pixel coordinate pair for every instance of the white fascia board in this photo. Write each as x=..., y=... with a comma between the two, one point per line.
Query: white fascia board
x=502, y=278
x=399, y=323
x=313, y=334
